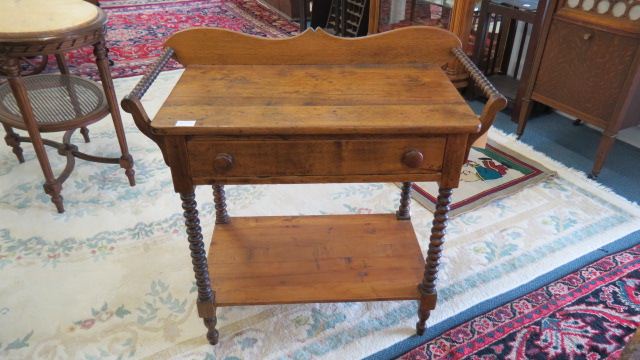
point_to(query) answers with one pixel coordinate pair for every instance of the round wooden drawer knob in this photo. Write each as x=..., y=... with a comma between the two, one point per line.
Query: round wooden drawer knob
x=223, y=162
x=412, y=158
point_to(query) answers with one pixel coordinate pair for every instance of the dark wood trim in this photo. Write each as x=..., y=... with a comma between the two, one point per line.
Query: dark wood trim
x=427, y=287
x=51, y=186
x=206, y=296
x=314, y=179
x=222, y=217
x=54, y=42
x=568, y=109
x=102, y=60
x=404, y=211
x=496, y=100
x=12, y=139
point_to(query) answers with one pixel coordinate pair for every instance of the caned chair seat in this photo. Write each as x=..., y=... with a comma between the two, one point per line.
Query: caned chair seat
x=59, y=102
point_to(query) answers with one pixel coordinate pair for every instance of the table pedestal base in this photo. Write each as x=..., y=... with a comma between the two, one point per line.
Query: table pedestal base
x=66, y=148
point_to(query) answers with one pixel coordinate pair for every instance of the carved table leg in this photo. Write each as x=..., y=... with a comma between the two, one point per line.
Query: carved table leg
x=51, y=186
x=62, y=64
x=64, y=69
x=427, y=288
x=12, y=139
x=222, y=217
x=206, y=296
x=126, y=161
x=404, y=211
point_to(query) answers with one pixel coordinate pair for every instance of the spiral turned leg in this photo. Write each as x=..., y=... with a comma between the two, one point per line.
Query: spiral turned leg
x=427, y=288
x=206, y=296
x=404, y=211
x=222, y=217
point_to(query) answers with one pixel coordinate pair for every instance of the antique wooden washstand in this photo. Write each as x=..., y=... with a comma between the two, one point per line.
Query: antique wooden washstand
x=313, y=109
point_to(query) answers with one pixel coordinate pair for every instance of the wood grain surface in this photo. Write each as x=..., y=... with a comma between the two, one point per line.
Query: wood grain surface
x=314, y=100
x=315, y=157
x=211, y=46
x=315, y=109
x=585, y=69
x=279, y=260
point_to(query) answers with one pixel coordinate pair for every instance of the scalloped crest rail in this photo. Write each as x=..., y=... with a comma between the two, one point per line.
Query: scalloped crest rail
x=412, y=45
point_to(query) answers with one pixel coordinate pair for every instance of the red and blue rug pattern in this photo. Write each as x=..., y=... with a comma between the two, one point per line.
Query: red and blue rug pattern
x=589, y=314
x=136, y=29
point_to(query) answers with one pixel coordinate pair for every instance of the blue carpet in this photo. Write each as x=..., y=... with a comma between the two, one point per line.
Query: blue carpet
x=575, y=147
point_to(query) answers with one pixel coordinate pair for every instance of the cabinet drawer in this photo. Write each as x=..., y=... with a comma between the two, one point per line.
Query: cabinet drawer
x=585, y=68
x=272, y=158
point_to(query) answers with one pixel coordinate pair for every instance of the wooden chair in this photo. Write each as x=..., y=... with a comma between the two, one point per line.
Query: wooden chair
x=496, y=42
x=347, y=18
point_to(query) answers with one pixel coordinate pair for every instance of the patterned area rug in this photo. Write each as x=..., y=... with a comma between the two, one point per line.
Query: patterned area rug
x=138, y=28
x=490, y=173
x=112, y=277
x=589, y=314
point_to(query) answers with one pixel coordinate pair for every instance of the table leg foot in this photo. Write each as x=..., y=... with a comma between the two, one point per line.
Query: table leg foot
x=524, y=112
x=12, y=139
x=421, y=326
x=606, y=143
x=54, y=189
x=212, y=333
x=126, y=162
x=426, y=303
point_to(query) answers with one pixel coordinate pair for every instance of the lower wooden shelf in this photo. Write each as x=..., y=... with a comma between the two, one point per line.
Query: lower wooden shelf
x=332, y=258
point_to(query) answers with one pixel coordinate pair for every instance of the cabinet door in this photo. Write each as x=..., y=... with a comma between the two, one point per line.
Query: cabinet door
x=584, y=69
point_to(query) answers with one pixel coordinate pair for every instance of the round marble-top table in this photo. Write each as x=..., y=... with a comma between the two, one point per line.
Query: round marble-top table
x=56, y=102
x=29, y=18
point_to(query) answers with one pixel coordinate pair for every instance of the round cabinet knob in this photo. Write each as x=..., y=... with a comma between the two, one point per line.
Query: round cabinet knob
x=587, y=36
x=412, y=158
x=223, y=162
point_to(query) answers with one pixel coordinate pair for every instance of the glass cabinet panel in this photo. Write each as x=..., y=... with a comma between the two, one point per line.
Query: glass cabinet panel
x=400, y=13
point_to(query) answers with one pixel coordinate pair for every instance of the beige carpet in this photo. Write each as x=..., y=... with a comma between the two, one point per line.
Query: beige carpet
x=112, y=278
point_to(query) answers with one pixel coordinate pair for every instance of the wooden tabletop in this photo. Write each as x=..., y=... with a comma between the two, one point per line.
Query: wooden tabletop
x=388, y=99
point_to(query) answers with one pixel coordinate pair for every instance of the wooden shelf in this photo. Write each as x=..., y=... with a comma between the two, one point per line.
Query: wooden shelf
x=334, y=258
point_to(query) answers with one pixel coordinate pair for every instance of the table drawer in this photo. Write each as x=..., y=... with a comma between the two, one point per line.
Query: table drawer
x=272, y=158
